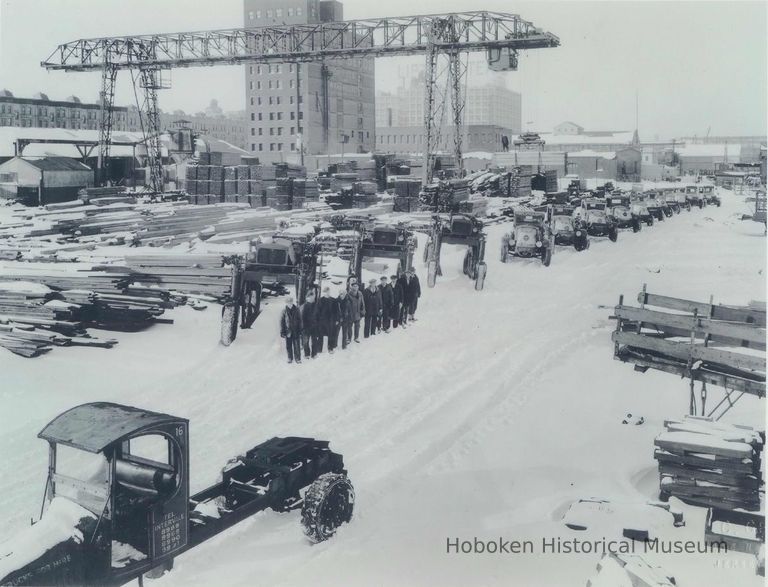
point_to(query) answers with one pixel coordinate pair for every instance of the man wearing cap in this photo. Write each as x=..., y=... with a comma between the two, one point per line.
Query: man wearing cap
x=290, y=330
x=309, y=319
x=387, y=300
x=397, y=300
x=345, y=319
x=327, y=320
x=356, y=307
x=413, y=292
x=372, y=297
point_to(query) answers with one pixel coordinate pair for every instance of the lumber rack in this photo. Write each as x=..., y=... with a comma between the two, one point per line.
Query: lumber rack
x=710, y=344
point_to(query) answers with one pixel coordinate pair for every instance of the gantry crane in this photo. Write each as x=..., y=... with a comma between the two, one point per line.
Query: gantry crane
x=439, y=36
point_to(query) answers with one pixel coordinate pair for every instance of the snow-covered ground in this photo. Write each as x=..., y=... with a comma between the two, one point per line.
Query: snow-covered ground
x=486, y=418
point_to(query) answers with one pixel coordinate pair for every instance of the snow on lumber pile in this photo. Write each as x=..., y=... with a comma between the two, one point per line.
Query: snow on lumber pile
x=634, y=520
x=198, y=274
x=63, y=522
x=629, y=570
x=713, y=343
x=710, y=463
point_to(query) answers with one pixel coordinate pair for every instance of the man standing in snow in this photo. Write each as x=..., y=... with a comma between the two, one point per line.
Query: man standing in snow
x=291, y=329
x=413, y=292
x=308, y=320
x=372, y=297
x=403, y=281
x=327, y=320
x=356, y=307
x=397, y=300
x=387, y=297
x=345, y=320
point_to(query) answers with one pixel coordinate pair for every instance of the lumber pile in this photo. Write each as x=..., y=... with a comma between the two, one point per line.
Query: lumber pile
x=445, y=196
x=37, y=315
x=545, y=181
x=716, y=344
x=191, y=274
x=629, y=569
x=710, y=463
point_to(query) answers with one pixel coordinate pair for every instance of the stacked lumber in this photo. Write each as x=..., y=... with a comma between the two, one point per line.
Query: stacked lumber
x=710, y=463
x=716, y=344
x=341, y=243
x=289, y=170
x=191, y=274
x=86, y=194
x=545, y=181
x=445, y=196
x=343, y=181
x=306, y=189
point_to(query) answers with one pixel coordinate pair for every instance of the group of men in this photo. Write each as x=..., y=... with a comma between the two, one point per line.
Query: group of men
x=383, y=305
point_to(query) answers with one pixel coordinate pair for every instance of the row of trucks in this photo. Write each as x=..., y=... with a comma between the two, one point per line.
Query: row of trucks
x=571, y=218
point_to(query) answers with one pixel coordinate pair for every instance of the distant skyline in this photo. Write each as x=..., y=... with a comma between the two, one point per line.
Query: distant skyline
x=696, y=66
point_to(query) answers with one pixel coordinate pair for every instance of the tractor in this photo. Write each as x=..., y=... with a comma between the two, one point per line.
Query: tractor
x=117, y=503
x=620, y=209
x=268, y=265
x=670, y=199
x=457, y=229
x=594, y=216
x=531, y=236
x=682, y=199
x=655, y=204
x=693, y=196
x=640, y=208
x=383, y=241
x=567, y=229
x=709, y=196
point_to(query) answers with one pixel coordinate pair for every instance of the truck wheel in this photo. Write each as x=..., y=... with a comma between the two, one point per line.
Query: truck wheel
x=427, y=251
x=228, y=323
x=482, y=270
x=613, y=234
x=467, y=265
x=431, y=273
x=636, y=226
x=546, y=256
x=677, y=210
x=660, y=216
x=688, y=206
x=328, y=503
x=649, y=221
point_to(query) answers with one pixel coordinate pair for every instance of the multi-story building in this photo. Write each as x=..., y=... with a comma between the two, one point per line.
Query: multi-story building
x=491, y=111
x=321, y=108
x=40, y=111
x=230, y=127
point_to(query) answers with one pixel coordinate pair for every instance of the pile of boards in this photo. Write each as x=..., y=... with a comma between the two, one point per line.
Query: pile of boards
x=445, y=196
x=710, y=463
x=716, y=344
x=504, y=184
x=39, y=311
x=189, y=273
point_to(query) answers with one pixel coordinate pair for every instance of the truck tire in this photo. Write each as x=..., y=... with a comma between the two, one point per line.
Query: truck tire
x=613, y=234
x=482, y=270
x=636, y=226
x=229, y=323
x=649, y=221
x=432, y=273
x=328, y=503
x=546, y=256
x=427, y=251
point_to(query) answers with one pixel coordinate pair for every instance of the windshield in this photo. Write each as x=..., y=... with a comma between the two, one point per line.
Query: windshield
x=81, y=477
x=562, y=223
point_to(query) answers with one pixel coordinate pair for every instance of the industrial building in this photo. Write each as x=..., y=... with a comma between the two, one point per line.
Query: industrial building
x=45, y=180
x=622, y=165
x=40, y=111
x=706, y=158
x=312, y=108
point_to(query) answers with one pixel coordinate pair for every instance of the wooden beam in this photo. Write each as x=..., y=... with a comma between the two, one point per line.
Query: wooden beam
x=748, y=314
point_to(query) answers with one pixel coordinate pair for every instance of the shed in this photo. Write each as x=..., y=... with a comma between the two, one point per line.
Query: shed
x=45, y=180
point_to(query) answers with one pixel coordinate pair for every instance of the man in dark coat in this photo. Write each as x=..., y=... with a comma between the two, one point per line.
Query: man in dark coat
x=397, y=300
x=413, y=292
x=308, y=320
x=372, y=297
x=291, y=329
x=345, y=319
x=403, y=282
x=327, y=319
x=387, y=298
x=357, y=310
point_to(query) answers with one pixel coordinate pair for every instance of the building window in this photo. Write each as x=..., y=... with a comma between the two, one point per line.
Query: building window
x=279, y=146
x=279, y=115
x=250, y=85
x=279, y=130
x=293, y=147
x=253, y=146
x=290, y=83
x=271, y=146
x=278, y=84
x=271, y=130
x=261, y=146
x=270, y=100
x=298, y=11
x=293, y=115
x=258, y=69
x=269, y=13
x=270, y=84
x=258, y=100
x=260, y=116
x=290, y=99
x=253, y=131
x=301, y=116
x=293, y=129
x=271, y=115
x=278, y=12
x=290, y=65
x=261, y=131
x=277, y=99
x=253, y=116
x=290, y=12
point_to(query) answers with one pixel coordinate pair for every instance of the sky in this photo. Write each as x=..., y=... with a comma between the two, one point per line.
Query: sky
x=696, y=67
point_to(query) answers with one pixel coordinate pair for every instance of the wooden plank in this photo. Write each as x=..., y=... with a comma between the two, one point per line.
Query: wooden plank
x=741, y=334
x=750, y=315
x=733, y=466
x=681, y=350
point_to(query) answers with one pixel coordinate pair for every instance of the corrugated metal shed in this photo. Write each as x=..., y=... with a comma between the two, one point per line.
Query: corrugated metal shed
x=58, y=164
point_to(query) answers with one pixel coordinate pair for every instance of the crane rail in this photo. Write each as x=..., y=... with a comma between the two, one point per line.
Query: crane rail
x=372, y=37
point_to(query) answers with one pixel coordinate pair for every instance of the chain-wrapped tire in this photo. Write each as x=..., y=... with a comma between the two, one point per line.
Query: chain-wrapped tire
x=432, y=273
x=328, y=503
x=229, y=323
x=482, y=270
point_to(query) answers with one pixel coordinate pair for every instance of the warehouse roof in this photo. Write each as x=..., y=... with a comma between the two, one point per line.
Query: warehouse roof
x=57, y=164
x=607, y=138
x=590, y=153
x=9, y=135
x=93, y=427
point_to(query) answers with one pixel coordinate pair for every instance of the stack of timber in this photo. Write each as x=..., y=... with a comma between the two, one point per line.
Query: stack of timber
x=191, y=274
x=341, y=243
x=545, y=181
x=39, y=310
x=712, y=343
x=85, y=195
x=445, y=196
x=306, y=189
x=710, y=463
x=343, y=181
